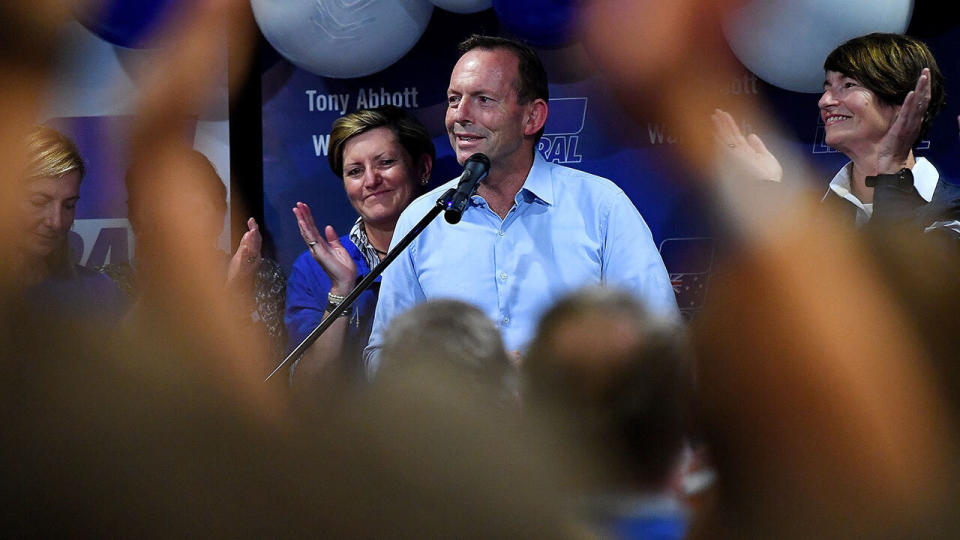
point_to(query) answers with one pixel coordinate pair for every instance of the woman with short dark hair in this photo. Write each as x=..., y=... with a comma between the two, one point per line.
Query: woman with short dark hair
x=880, y=95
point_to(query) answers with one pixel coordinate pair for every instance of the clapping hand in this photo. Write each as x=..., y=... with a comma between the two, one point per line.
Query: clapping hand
x=327, y=251
x=246, y=260
x=894, y=148
x=748, y=156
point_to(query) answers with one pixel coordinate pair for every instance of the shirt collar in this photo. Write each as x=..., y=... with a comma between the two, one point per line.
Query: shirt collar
x=840, y=185
x=539, y=182
x=925, y=179
x=358, y=235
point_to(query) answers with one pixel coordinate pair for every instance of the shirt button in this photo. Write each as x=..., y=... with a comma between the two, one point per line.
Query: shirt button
x=506, y=320
x=503, y=276
x=500, y=233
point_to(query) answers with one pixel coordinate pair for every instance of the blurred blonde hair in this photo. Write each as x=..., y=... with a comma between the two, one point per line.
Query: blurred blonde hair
x=52, y=154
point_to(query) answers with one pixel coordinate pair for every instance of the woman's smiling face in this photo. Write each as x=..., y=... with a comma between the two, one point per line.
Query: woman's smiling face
x=854, y=117
x=379, y=175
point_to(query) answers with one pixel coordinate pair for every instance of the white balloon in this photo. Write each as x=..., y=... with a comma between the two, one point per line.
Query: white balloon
x=342, y=38
x=785, y=42
x=463, y=6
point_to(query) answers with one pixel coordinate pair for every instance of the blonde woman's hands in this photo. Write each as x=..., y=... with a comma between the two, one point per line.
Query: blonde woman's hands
x=327, y=251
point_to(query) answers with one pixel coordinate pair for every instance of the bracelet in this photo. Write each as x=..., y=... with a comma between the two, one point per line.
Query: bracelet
x=333, y=300
x=333, y=305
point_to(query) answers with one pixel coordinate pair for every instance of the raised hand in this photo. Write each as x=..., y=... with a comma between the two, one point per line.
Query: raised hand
x=327, y=251
x=246, y=260
x=894, y=148
x=747, y=155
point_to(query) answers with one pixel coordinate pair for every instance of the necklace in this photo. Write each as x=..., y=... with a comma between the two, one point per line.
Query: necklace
x=383, y=253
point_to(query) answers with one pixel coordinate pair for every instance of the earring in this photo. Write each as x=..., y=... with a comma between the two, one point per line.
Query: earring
x=423, y=180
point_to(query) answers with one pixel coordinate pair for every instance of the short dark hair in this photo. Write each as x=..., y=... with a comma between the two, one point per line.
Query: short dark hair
x=531, y=80
x=412, y=135
x=889, y=65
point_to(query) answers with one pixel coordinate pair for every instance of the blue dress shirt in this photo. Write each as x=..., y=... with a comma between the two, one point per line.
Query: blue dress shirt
x=567, y=229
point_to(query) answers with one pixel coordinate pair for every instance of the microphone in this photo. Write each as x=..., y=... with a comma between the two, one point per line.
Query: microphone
x=474, y=170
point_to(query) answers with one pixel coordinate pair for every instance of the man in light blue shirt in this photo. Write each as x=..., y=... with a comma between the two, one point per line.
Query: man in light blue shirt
x=534, y=230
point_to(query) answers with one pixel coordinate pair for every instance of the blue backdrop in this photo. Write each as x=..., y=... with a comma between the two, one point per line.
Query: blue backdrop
x=586, y=129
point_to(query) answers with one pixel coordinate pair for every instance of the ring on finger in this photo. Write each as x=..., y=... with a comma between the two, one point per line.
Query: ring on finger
x=311, y=244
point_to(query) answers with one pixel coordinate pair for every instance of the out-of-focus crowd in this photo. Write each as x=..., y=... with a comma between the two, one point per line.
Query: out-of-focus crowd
x=815, y=396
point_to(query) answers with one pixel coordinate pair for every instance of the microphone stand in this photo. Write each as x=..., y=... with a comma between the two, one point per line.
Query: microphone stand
x=365, y=283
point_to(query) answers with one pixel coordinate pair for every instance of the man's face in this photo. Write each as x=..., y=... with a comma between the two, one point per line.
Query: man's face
x=48, y=208
x=483, y=114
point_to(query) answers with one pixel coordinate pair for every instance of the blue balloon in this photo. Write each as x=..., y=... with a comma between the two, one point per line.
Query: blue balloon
x=545, y=23
x=124, y=22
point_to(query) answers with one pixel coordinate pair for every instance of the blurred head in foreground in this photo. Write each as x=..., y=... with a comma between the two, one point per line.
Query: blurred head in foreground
x=150, y=438
x=204, y=199
x=826, y=409
x=624, y=379
x=50, y=191
x=448, y=334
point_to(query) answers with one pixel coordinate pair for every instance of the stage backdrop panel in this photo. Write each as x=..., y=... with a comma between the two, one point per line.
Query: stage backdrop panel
x=586, y=129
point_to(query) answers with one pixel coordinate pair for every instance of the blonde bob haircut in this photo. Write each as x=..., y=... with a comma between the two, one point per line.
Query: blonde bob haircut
x=411, y=134
x=51, y=154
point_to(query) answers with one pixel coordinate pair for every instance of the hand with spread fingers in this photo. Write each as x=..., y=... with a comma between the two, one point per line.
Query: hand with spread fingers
x=327, y=251
x=893, y=151
x=246, y=260
x=748, y=155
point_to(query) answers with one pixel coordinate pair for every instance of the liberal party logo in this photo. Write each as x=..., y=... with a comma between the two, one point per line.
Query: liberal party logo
x=561, y=134
x=820, y=143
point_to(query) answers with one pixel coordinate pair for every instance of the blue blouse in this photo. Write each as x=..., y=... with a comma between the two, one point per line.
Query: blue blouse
x=307, y=290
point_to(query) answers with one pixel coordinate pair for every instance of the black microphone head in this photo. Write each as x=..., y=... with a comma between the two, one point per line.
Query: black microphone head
x=452, y=217
x=474, y=171
x=479, y=158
